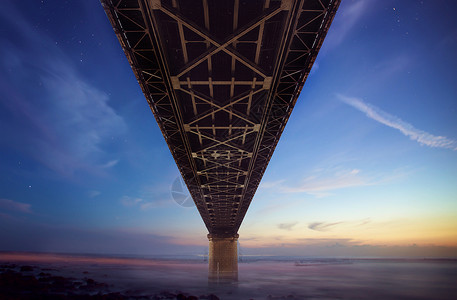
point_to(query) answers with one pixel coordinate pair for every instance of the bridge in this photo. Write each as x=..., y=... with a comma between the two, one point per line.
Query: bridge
x=221, y=78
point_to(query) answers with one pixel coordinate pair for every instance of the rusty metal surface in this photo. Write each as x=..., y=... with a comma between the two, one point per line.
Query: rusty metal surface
x=221, y=78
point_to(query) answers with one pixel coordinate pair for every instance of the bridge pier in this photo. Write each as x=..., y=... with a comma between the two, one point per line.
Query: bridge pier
x=223, y=258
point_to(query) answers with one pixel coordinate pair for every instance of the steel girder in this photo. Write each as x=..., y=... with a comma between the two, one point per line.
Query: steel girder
x=221, y=78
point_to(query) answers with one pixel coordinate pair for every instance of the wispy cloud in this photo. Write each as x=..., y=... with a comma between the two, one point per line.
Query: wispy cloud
x=10, y=205
x=129, y=201
x=156, y=194
x=320, y=186
x=63, y=118
x=422, y=137
x=94, y=193
x=327, y=226
x=110, y=164
x=322, y=182
x=287, y=226
x=147, y=205
x=274, y=207
x=270, y=184
x=141, y=203
x=347, y=247
x=392, y=65
x=346, y=19
x=321, y=226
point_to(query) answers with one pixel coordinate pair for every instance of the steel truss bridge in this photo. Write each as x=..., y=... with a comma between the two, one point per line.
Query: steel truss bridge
x=221, y=78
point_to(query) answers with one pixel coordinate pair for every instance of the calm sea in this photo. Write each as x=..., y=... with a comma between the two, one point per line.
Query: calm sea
x=260, y=277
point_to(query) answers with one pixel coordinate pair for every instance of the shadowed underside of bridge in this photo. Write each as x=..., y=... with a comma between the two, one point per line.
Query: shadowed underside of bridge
x=221, y=78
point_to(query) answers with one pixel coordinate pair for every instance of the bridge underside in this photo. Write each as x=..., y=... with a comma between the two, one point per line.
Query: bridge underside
x=221, y=78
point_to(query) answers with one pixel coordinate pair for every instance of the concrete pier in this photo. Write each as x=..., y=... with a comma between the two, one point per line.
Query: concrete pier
x=223, y=258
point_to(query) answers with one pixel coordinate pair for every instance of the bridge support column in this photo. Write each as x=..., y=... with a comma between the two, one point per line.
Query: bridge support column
x=223, y=258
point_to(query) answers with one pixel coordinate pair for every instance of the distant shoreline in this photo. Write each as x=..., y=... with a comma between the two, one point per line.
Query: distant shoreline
x=122, y=258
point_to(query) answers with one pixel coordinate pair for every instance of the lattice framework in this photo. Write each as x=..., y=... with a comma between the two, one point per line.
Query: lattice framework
x=221, y=78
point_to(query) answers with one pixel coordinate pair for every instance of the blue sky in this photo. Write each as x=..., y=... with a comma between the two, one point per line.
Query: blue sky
x=367, y=164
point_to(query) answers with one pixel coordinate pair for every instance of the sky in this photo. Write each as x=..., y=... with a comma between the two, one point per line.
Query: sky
x=366, y=166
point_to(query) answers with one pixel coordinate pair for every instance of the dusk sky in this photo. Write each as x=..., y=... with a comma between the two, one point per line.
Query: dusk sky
x=366, y=166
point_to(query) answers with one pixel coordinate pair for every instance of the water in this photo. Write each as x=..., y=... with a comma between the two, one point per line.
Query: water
x=353, y=279
x=262, y=277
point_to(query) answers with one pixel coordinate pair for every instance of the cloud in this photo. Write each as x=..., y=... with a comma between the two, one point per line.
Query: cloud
x=321, y=226
x=327, y=226
x=274, y=208
x=391, y=65
x=10, y=205
x=147, y=205
x=320, y=183
x=271, y=184
x=110, y=164
x=346, y=18
x=59, y=119
x=141, y=203
x=287, y=226
x=420, y=136
x=341, y=247
x=93, y=194
x=129, y=201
